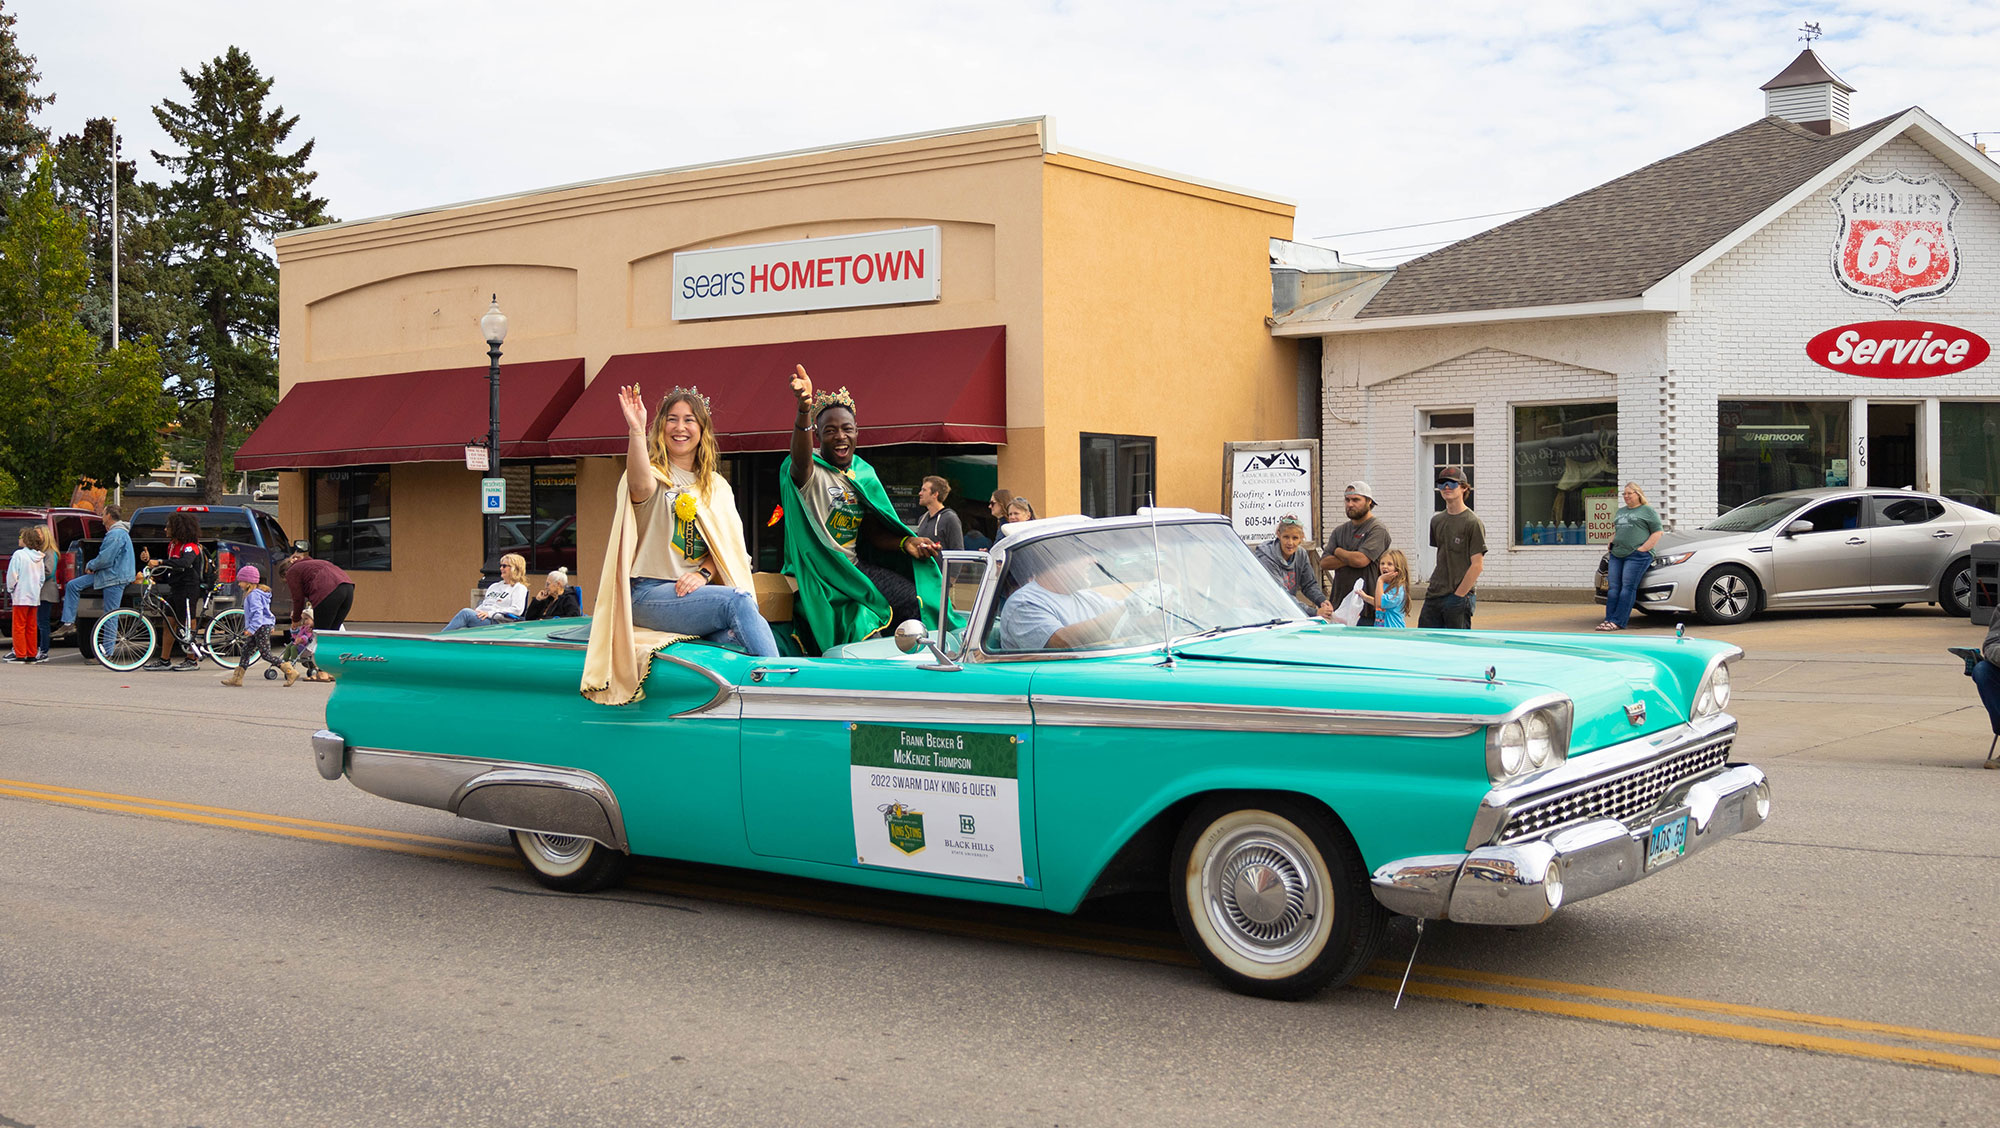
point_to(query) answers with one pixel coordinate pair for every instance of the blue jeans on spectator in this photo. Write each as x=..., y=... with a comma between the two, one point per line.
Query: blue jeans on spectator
x=467, y=617
x=114, y=596
x=1986, y=676
x=716, y=612
x=1626, y=572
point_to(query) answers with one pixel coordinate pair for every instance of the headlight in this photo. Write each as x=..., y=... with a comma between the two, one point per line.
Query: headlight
x=1713, y=695
x=1670, y=561
x=1538, y=739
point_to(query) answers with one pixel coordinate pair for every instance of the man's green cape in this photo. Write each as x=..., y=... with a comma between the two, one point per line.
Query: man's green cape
x=836, y=600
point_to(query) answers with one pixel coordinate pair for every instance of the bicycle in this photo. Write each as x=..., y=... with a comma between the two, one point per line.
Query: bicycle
x=126, y=638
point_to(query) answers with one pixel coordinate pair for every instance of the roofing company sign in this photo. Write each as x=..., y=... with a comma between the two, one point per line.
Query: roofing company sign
x=1895, y=242
x=838, y=272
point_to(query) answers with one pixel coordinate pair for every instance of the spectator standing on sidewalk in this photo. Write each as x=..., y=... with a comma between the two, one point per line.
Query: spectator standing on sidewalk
x=107, y=572
x=1354, y=549
x=938, y=523
x=1460, y=540
x=25, y=572
x=1634, y=533
x=1281, y=556
x=319, y=585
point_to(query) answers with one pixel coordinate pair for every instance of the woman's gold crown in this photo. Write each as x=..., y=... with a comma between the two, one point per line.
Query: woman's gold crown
x=691, y=393
x=824, y=400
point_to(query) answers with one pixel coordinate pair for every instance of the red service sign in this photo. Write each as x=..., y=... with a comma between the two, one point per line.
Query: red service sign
x=1898, y=350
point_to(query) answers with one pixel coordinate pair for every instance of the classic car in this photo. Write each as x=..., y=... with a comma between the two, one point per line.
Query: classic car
x=1824, y=547
x=1126, y=703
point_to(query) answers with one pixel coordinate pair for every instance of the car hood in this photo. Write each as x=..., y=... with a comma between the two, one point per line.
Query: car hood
x=1448, y=669
x=1683, y=540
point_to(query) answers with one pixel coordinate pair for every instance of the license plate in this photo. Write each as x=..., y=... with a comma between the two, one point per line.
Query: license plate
x=1667, y=842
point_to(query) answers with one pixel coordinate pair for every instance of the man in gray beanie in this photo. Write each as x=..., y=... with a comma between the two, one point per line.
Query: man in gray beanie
x=1355, y=547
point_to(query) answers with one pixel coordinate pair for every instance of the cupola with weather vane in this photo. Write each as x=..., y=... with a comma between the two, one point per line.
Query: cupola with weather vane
x=1807, y=94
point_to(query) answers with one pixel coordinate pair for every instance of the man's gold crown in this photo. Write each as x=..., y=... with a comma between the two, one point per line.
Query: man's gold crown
x=824, y=400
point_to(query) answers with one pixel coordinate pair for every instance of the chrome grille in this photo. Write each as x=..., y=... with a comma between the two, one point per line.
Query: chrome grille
x=1624, y=797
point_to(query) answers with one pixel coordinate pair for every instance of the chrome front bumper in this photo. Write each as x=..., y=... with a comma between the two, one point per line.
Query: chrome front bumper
x=1526, y=882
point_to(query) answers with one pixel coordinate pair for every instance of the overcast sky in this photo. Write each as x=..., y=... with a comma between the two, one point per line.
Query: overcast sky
x=1370, y=115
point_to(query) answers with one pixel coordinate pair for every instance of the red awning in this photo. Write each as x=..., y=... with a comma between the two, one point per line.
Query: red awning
x=412, y=417
x=943, y=387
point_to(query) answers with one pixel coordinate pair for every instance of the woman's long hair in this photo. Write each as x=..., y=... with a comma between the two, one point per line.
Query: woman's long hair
x=183, y=527
x=704, y=450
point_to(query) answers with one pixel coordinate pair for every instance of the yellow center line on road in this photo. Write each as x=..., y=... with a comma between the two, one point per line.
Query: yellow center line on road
x=463, y=855
x=456, y=843
x=1846, y=1047
x=1081, y=941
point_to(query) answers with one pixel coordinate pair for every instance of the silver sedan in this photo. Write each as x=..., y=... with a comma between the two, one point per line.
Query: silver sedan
x=1817, y=548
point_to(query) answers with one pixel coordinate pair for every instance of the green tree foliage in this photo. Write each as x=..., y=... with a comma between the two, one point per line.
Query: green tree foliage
x=20, y=137
x=152, y=297
x=234, y=187
x=67, y=407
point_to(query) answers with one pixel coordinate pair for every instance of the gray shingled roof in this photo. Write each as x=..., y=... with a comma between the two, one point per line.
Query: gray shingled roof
x=1617, y=239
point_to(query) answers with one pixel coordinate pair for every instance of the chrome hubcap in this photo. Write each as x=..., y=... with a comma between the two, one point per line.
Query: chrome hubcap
x=560, y=849
x=1729, y=594
x=1261, y=893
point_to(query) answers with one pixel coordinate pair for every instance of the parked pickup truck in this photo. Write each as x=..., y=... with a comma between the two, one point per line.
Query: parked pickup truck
x=64, y=525
x=232, y=535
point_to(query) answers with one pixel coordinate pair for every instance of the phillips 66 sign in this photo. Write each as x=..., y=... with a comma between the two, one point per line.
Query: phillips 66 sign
x=1895, y=242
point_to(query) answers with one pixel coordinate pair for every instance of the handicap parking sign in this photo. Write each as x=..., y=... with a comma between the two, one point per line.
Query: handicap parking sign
x=492, y=495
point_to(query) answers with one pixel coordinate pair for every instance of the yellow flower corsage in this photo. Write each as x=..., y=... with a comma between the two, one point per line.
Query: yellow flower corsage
x=684, y=507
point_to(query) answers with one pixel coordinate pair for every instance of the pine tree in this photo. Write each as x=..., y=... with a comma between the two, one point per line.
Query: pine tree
x=234, y=187
x=20, y=137
x=152, y=301
x=67, y=406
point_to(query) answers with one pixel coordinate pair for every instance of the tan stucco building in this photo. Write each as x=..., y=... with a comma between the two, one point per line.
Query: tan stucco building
x=1098, y=331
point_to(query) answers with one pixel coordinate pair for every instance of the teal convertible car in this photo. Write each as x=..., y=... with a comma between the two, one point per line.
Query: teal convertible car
x=1125, y=703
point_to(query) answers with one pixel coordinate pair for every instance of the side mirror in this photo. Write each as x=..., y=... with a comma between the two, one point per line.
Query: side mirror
x=1799, y=526
x=911, y=636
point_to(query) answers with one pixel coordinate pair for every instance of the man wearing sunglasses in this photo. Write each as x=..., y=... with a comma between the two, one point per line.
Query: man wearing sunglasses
x=1460, y=540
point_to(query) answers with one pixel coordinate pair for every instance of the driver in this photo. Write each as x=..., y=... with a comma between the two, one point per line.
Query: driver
x=1055, y=610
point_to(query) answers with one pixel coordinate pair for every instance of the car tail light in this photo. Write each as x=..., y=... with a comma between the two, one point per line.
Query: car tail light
x=65, y=567
x=225, y=566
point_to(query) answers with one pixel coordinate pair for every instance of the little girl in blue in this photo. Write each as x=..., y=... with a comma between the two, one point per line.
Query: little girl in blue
x=257, y=624
x=1392, y=592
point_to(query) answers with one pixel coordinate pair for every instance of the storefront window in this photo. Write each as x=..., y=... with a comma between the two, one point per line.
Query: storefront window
x=541, y=522
x=1768, y=446
x=350, y=517
x=973, y=470
x=1969, y=442
x=1117, y=475
x=1565, y=473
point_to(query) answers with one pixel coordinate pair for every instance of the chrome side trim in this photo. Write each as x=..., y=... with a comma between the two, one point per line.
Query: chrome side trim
x=456, y=638
x=442, y=782
x=1103, y=712
x=780, y=703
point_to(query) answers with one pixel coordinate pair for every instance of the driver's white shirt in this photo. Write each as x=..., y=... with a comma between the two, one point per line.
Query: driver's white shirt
x=1033, y=613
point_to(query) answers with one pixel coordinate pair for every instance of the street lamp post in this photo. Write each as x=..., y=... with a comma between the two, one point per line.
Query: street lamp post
x=494, y=327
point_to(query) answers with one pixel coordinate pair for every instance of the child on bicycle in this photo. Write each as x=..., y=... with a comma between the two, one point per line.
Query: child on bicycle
x=257, y=624
x=183, y=567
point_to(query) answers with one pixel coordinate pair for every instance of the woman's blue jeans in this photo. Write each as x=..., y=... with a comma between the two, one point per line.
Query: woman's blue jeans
x=468, y=618
x=1626, y=572
x=716, y=612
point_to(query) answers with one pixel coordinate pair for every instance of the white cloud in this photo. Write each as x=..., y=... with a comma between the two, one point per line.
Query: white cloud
x=1370, y=115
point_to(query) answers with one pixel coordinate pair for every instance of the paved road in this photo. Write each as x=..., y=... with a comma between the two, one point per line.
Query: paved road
x=197, y=930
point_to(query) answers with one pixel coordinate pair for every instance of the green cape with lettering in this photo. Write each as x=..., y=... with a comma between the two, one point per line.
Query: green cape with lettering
x=835, y=599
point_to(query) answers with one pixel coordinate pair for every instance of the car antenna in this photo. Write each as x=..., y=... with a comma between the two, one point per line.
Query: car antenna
x=1160, y=587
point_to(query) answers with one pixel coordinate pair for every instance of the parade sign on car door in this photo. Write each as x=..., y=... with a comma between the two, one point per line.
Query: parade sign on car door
x=1895, y=242
x=839, y=272
x=937, y=801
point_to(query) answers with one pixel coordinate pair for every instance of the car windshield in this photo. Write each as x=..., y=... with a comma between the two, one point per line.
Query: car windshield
x=1756, y=516
x=1098, y=589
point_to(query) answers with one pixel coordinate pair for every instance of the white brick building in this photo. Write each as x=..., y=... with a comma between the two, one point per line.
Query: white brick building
x=1655, y=329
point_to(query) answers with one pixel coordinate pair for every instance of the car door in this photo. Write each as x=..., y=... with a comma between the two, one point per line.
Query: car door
x=1908, y=543
x=869, y=760
x=1828, y=564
